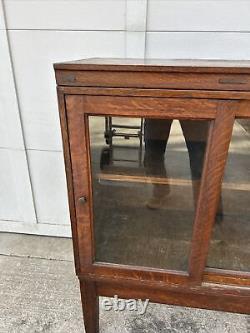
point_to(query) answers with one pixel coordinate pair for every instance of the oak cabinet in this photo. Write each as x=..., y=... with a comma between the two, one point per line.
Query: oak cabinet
x=157, y=157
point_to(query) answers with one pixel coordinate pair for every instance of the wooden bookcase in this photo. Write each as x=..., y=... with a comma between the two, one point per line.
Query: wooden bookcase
x=189, y=245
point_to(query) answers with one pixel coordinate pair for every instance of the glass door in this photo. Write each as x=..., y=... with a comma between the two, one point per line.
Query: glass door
x=230, y=244
x=145, y=182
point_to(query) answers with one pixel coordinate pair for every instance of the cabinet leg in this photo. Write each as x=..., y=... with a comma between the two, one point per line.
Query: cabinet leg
x=90, y=305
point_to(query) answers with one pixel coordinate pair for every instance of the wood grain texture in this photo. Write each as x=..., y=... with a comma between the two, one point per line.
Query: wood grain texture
x=145, y=79
x=68, y=169
x=219, y=300
x=201, y=90
x=211, y=182
x=157, y=65
x=81, y=176
x=90, y=306
x=243, y=111
x=174, y=108
x=220, y=276
x=136, y=273
x=152, y=92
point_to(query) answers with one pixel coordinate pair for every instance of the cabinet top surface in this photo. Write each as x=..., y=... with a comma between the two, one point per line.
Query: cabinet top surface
x=161, y=65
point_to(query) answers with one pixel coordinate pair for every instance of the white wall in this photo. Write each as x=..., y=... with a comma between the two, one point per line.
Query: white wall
x=36, y=33
x=210, y=29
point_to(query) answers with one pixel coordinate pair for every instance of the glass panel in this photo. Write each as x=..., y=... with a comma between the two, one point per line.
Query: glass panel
x=230, y=245
x=143, y=172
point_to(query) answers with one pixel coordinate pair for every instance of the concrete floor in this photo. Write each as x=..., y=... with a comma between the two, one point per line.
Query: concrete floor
x=39, y=293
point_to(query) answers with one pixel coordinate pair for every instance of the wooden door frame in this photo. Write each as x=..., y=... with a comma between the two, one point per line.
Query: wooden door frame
x=222, y=113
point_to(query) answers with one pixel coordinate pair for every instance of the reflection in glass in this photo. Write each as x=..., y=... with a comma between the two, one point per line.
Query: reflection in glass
x=146, y=175
x=230, y=245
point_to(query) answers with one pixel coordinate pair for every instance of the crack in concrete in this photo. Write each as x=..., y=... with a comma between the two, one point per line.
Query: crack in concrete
x=33, y=257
